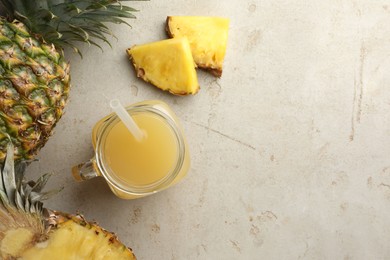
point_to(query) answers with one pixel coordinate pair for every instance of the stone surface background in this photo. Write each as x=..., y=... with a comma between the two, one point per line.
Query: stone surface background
x=290, y=148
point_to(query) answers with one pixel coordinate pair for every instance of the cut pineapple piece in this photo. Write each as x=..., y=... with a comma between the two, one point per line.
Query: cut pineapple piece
x=73, y=240
x=167, y=64
x=207, y=37
x=30, y=232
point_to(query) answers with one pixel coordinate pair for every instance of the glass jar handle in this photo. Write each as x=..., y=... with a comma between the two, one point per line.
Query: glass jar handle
x=85, y=171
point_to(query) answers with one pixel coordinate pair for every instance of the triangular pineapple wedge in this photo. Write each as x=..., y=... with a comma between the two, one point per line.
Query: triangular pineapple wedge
x=207, y=37
x=167, y=64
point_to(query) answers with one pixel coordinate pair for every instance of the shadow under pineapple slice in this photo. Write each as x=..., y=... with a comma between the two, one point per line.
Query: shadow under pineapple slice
x=207, y=37
x=29, y=231
x=166, y=64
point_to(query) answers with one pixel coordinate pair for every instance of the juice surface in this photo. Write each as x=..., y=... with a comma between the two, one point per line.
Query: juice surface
x=145, y=162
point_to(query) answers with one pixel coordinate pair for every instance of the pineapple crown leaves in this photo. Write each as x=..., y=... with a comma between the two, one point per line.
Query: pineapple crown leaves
x=16, y=193
x=65, y=22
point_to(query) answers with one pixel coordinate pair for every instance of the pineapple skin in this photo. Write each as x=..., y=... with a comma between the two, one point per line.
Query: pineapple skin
x=34, y=88
x=207, y=37
x=34, y=77
x=166, y=64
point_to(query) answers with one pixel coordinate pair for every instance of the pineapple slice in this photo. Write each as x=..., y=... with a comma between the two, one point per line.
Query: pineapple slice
x=77, y=239
x=207, y=37
x=30, y=232
x=167, y=64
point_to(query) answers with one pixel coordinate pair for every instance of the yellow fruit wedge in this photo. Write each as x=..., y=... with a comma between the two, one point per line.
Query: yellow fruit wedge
x=167, y=64
x=30, y=232
x=207, y=37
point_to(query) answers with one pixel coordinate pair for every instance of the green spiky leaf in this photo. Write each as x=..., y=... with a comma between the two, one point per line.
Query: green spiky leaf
x=15, y=192
x=65, y=22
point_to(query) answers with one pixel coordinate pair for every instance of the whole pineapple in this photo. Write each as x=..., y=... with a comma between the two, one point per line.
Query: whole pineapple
x=34, y=76
x=28, y=231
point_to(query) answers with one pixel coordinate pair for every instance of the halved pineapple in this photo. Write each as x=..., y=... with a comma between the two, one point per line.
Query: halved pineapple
x=75, y=238
x=30, y=232
x=167, y=64
x=207, y=37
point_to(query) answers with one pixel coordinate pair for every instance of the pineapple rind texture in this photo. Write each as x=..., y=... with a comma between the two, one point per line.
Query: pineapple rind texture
x=34, y=77
x=166, y=64
x=34, y=88
x=28, y=231
x=207, y=37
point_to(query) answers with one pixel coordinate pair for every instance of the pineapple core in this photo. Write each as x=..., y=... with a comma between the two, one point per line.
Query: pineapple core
x=167, y=64
x=207, y=37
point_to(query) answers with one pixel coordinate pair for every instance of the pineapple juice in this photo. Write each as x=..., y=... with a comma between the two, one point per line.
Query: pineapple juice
x=141, y=162
x=134, y=168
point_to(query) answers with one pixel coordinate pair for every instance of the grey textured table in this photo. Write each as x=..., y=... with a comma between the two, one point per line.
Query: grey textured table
x=290, y=149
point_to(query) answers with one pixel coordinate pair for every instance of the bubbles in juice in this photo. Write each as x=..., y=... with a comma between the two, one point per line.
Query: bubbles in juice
x=146, y=162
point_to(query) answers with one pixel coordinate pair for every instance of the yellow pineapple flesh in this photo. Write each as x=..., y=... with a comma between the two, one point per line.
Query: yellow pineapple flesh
x=70, y=237
x=30, y=232
x=15, y=241
x=78, y=239
x=167, y=64
x=207, y=37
